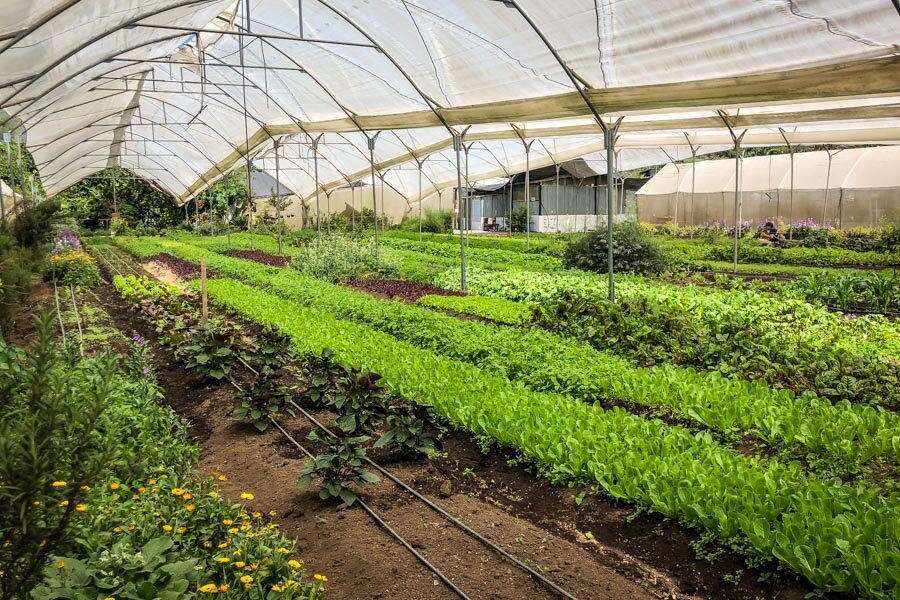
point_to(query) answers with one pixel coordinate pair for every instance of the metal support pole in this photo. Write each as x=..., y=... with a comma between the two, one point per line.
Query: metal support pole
x=466, y=148
x=509, y=230
x=609, y=135
x=791, y=197
x=557, y=196
x=115, y=199
x=737, y=139
x=457, y=146
x=21, y=171
x=693, y=177
x=7, y=137
x=278, y=196
x=827, y=183
x=371, y=141
x=353, y=207
x=246, y=124
x=315, y=149
x=419, y=163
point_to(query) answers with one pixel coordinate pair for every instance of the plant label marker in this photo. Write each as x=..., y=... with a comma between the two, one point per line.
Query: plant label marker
x=204, y=310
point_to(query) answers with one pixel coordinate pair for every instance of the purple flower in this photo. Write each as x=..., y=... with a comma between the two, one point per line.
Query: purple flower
x=146, y=371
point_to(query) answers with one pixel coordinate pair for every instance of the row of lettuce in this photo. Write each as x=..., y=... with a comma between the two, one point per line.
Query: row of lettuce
x=785, y=342
x=105, y=502
x=839, y=536
x=545, y=361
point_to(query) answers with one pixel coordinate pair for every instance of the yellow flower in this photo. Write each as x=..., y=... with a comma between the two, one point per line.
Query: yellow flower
x=246, y=579
x=272, y=513
x=190, y=507
x=115, y=485
x=207, y=544
x=177, y=491
x=233, y=530
x=60, y=564
x=109, y=598
x=182, y=529
x=134, y=496
x=142, y=490
x=81, y=507
x=187, y=496
x=64, y=503
x=222, y=560
x=240, y=564
x=227, y=521
x=209, y=588
x=223, y=478
x=321, y=578
x=152, y=482
x=256, y=514
x=283, y=551
x=246, y=496
x=85, y=488
x=37, y=502
x=58, y=484
x=276, y=588
x=223, y=545
x=214, y=494
x=167, y=528
x=237, y=552
x=223, y=588
x=118, y=529
x=294, y=564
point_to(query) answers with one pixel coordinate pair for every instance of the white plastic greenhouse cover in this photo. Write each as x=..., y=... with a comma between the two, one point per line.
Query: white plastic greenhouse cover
x=133, y=86
x=869, y=175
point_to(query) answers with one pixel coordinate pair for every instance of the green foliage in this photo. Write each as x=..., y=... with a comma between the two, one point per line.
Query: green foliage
x=547, y=362
x=486, y=307
x=751, y=252
x=518, y=222
x=340, y=259
x=212, y=349
x=55, y=438
x=509, y=258
x=788, y=343
x=433, y=221
x=843, y=531
x=33, y=227
x=73, y=268
x=339, y=467
x=141, y=206
x=633, y=252
x=871, y=291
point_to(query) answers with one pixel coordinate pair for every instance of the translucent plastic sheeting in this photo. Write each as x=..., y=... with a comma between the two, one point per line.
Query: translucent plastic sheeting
x=418, y=66
x=853, y=186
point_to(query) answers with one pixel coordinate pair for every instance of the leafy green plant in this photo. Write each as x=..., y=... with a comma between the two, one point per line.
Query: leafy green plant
x=341, y=259
x=54, y=440
x=771, y=505
x=406, y=431
x=258, y=400
x=498, y=310
x=212, y=349
x=633, y=252
x=339, y=467
x=360, y=401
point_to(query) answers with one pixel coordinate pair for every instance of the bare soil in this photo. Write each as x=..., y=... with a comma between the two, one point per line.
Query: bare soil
x=600, y=549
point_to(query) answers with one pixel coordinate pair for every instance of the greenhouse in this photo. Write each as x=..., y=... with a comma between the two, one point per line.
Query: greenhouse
x=410, y=299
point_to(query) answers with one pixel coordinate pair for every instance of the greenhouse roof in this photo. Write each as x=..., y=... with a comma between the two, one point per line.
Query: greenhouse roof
x=181, y=92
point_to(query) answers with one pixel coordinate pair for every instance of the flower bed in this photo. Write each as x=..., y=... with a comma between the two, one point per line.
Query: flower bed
x=409, y=291
x=260, y=257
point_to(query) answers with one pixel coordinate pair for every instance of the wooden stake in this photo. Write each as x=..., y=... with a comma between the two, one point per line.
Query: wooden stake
x=204, y=310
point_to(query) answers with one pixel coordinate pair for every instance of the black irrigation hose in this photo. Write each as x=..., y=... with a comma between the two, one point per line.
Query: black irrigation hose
x=540, y=578
x=382, y=522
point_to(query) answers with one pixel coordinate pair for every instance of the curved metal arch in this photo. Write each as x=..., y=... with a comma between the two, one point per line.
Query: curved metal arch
x=96, y=39
x=38, y=24
x=132, y=170
x=32, y=101
x=185, y=139
x=145, y=139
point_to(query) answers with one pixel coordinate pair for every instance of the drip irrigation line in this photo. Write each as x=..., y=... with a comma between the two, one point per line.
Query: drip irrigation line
x=384, y=524
x=540, y=578
x=77, y=319
x=58, y=311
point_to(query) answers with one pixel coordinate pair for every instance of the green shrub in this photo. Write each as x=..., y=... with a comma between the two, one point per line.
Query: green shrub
x=34, y=226
x=633, y=252
x=340, y=259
